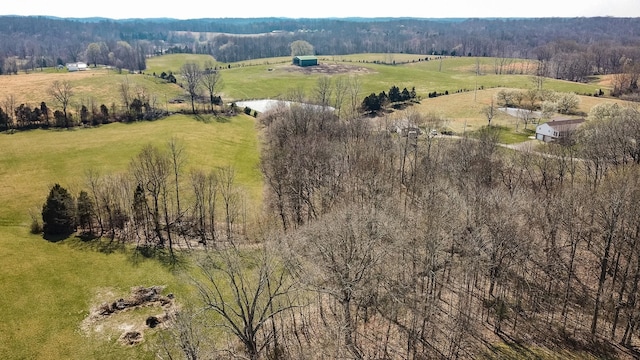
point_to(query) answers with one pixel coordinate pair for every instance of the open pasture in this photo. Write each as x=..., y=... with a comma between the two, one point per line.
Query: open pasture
x=97, y=85
x=276, y=78
x=48, y=288
x=34, y=160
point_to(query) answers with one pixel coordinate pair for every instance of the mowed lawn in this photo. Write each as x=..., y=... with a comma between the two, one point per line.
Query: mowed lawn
x=48, y=288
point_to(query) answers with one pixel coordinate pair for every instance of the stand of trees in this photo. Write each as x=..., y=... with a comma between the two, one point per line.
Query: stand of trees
x=396, y=98
x=137, y=104
x=415, y=250
x=152, y=205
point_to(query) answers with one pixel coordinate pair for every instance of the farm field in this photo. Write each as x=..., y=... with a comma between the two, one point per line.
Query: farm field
x=276, y=78
x=48, y=287
x=35, y=160
x=452, y=75
x=96, y=85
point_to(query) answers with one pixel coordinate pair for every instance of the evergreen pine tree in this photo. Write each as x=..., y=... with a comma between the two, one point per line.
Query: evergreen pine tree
x=59, y=212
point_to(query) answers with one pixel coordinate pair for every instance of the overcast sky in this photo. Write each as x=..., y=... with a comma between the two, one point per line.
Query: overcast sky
x=193, y=9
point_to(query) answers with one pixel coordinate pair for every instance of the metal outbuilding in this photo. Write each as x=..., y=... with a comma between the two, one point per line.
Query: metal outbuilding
x=306, y=60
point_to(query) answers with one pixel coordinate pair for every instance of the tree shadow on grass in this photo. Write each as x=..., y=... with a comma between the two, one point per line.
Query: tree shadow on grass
x=93, y=243
x=514, y=347
x=202, y=119
x=54, y=238
x=600, y=349
x=135, y=254
x=140, y=254
x=555, y=346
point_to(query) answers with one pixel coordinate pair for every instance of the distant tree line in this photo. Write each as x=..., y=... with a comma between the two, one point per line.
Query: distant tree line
x=568, y=48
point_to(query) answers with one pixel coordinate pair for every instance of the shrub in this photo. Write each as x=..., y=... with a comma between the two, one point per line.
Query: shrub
x=36, y=226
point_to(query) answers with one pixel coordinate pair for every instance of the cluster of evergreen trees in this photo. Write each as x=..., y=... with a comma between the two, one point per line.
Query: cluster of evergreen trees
x=374, y=103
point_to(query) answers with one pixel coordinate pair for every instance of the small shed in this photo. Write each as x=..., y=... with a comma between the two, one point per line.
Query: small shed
x=557, y=129
x=306, y=60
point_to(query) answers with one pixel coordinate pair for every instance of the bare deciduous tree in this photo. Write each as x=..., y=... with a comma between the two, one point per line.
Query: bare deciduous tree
x=125, y=93
x=354, y=86
x=212, y=82
x=323, y=90
x=340, y=87
x=489, y=112
x=62, y=91
x=247, y=292
x=192, y=76
x=151, y=170
x=339, y=257
x=301, y=47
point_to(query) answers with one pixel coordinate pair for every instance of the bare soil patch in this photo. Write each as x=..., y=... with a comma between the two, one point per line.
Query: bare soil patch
x=128, y=317
x=328, y=69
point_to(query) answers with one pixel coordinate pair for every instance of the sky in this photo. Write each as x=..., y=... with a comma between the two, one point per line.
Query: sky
x=195, y=9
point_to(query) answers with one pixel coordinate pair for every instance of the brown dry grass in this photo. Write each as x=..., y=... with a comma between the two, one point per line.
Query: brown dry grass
x=27, y=87
x=463, y=111
x=328, y=69
x=101, y=85
x=520, y=67
x=587, y=102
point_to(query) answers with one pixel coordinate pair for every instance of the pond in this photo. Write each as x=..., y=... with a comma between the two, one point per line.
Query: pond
x=521, y=113
x=267, y=104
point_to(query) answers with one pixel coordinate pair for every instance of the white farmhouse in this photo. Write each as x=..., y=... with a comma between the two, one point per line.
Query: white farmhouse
x=557, y=129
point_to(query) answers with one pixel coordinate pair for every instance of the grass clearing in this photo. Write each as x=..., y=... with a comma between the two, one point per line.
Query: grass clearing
x=34, y=160
x=174, y=62
x=99, y=85
x=48, y=289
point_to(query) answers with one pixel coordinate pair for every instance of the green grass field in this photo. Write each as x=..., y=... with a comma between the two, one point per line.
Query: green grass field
x=35, y=160
x=452, y=74
x=48, y=287
x=47, y=290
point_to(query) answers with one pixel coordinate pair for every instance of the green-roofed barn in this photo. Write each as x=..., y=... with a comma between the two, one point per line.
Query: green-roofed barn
x=303, y=61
